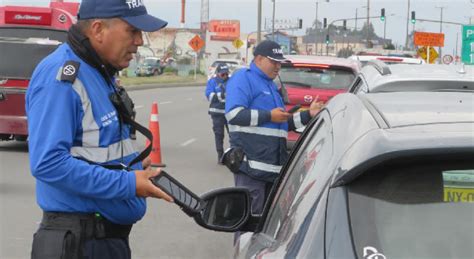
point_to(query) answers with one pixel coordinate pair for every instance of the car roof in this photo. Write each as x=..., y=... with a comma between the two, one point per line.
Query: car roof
x=389, y=58
x=326, y=60
x=388, y=126
x=404, y=77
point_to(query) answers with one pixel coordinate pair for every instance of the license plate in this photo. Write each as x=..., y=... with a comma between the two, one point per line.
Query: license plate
x=2, y=96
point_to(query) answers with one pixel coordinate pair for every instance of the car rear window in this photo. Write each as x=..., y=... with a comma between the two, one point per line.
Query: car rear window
x=313, y=77
x=19, y=57
x=414, y=211
x=229, y=63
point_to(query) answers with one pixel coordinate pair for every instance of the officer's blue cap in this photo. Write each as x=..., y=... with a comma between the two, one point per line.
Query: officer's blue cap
x=132, y=11
x=271, y=50
x=222, y=68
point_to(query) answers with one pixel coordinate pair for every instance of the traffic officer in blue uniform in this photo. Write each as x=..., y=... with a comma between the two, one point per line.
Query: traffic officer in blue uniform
x=78, y=141
x=215, y=93
x=258, y=122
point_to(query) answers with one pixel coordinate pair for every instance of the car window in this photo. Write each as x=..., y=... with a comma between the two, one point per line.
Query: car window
x=301, y=189
x=359, y=86
x=19, y=57
x=422, y=210
x=313, y=77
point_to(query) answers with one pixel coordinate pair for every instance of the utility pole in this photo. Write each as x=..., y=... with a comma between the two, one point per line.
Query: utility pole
x=408, y=23
x=259, y=21
x=355, y=25
x=273, y=21
x=316, y=29
x=368, y=23
x=440, y=30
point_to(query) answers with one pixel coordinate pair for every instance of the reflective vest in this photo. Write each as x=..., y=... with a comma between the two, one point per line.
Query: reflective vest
x=69, y=122
x=215, y=94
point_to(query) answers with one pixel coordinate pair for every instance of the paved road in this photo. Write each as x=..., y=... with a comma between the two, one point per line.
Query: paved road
x=165, y=232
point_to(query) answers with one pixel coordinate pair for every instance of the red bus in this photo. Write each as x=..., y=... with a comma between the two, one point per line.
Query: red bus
x=27, y=35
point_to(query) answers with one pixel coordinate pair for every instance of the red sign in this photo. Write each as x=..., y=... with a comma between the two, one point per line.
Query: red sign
x=225, y=30
x=41, y=16
x=196, y=43
x=429, y=39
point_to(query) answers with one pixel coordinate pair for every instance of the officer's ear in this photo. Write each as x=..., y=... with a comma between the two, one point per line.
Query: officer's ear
x=97, y=29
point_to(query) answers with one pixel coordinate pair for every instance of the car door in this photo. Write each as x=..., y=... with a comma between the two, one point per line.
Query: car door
x=293, y=223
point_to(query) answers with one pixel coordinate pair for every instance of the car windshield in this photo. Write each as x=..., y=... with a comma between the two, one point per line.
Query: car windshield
x=228, y=63
x=150, y=62
x=424, y=211
x=28, y=32
x=313, y=77
x=19, y=56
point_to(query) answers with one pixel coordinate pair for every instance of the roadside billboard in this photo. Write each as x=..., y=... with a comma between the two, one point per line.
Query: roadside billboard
x=224, y=30
x=467, y=54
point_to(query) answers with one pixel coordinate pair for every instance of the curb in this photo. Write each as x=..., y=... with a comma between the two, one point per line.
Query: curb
x=162, y=85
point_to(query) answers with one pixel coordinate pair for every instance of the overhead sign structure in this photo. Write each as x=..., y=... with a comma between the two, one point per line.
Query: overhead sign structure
x=467, y=54
x=429, y=54
x=196, y=43
x=429, y=39
x=237, y=43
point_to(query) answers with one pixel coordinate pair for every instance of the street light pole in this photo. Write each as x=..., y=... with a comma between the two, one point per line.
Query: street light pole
x=440, y=30
x=273, y=21
x=259, y=21
x=316, y=30
x=408, y=23
x=368, y=23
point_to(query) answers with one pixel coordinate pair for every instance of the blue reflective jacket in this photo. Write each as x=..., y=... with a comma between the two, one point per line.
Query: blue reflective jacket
x=215, y=93
x=67, y=121
x=251, y=95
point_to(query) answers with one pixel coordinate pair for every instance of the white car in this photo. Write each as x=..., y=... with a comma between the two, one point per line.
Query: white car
x=233, y=65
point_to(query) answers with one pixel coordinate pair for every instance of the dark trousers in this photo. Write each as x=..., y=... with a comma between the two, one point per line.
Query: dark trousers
x=80, y=236
x=259, y=190
x=218, y=124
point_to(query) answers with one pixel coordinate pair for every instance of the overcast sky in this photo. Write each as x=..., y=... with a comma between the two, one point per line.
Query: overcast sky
x=459, y=11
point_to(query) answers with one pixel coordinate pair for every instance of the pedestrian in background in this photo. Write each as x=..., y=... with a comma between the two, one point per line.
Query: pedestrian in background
x=215, y=93
x=258, y=122
x=78, y=141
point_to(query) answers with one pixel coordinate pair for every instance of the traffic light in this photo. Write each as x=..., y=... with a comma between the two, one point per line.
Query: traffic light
x=413, y=19
x=344, y=24
x=327, y=39
x=300, y=23
x=325, y=23
x=382, y=14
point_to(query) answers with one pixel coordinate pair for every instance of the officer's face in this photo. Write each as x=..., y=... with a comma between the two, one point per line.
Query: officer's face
x=270, y=67
x=223, y=75
x=119, y=42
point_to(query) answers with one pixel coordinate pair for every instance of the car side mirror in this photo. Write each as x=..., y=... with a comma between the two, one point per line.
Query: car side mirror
x=226, y=209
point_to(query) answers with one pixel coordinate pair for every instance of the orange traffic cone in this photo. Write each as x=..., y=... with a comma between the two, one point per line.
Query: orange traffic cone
x=154, y=127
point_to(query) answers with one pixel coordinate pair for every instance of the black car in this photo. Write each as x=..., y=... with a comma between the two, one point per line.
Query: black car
x=386, y=175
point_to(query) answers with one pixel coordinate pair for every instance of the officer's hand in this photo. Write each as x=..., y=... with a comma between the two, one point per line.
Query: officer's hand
x=279, y=115
x=146, y=163
x=315, y=107
x=145, y=188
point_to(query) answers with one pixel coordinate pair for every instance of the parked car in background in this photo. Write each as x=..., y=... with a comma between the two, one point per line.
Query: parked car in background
x=233, y=65
x=378, y=76
x=27, y=35
x=150, y=66
x=386, y=175
x=389, y=59
x=307, y=78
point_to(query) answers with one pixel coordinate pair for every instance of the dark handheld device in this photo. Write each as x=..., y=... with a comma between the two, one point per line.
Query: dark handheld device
x=189, y=202
x=294, y=108
x=122, y=102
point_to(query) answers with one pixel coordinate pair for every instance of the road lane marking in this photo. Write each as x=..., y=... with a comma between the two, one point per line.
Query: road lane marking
x=139, y=107
x=166, y=102
x=189, y=99
x=188, y=142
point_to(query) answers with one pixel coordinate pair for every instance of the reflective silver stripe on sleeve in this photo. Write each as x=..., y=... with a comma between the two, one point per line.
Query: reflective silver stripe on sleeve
x=211, y=96
x=216, y=110
x=104, y=154
x=264, y=166
x=90, y=134
x=259, y=131
x=297, y=120
x=253, y=117
x=230, y=115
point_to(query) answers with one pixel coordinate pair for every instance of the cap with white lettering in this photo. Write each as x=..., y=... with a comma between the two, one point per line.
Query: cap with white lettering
x=132, y=11
x=271, y=50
